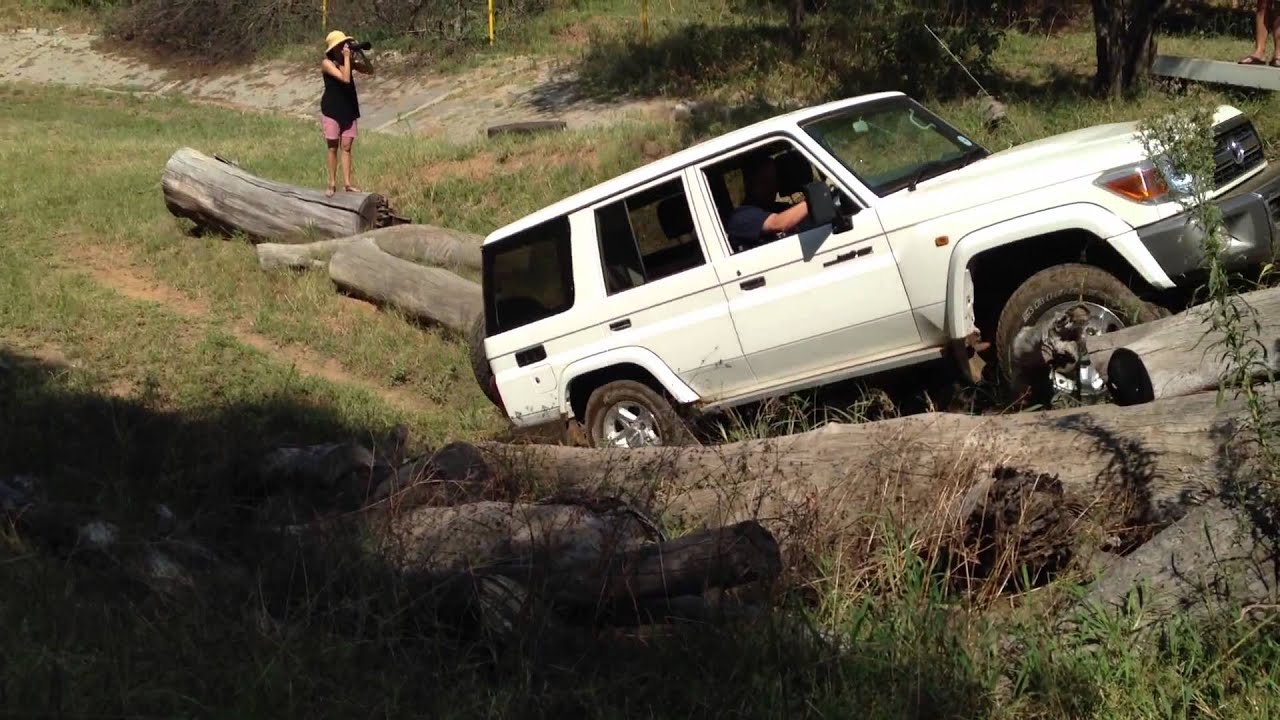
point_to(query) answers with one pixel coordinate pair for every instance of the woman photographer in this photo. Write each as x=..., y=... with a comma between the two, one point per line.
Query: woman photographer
x=340, y=105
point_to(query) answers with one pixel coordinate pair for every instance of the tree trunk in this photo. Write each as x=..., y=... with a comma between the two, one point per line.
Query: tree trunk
x=795, y=26
x=1131, y=469
x=219, y=196
x=1181, y=355
x=1124, y=33
x=427, y=294
x=423, y=244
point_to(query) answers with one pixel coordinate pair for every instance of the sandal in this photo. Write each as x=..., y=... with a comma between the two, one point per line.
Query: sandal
x=1252, y=60
x=329, y=192
x=1275, y=62
x=351, y=188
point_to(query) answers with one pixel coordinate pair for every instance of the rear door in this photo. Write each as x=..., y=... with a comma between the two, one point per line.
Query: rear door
x=661, y=291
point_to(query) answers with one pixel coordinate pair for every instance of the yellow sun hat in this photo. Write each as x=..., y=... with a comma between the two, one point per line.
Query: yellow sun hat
x=334, y=38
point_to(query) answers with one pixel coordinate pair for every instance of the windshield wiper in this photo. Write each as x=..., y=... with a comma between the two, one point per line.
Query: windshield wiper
x=930, y=168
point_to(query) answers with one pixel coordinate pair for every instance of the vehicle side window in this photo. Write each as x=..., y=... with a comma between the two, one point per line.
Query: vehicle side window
x=528, y=276
x=741, y=215
x=647, y=236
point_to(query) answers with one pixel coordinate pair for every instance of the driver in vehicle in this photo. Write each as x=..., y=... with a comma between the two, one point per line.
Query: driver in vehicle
x=761, y=218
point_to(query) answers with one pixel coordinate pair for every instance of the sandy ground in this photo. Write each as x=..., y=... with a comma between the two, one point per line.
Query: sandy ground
x=457, y=108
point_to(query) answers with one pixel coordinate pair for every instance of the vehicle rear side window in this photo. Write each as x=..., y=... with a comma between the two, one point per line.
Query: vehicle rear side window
x=647, y=236
x=528, y=276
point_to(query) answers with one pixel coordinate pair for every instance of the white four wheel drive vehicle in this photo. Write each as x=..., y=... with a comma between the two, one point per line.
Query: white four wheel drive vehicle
x=629, y=304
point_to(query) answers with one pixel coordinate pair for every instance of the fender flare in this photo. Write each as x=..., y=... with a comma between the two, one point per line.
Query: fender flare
x=630, y=355
x=1088, y=217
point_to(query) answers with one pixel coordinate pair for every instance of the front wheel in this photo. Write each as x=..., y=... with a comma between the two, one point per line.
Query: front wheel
x=629, y=414
x=1102, y=304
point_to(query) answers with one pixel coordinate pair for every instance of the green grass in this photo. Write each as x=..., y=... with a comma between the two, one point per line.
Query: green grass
x=120, y=396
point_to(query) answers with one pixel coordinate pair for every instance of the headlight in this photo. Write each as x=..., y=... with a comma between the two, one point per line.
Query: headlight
x=1141, y=183
x=1181, y=183
x=1147, y=182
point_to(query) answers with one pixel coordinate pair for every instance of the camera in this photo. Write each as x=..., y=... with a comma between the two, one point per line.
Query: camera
x=361, y=46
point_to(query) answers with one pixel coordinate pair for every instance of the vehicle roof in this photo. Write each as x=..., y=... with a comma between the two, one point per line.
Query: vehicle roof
x=676, y=161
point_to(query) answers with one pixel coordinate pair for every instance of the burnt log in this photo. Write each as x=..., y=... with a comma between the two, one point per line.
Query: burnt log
x=426, y=294
x=222, y=197
x=422, y=244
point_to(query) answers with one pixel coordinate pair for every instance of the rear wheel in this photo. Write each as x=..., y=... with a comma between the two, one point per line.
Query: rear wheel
x=1098, y=301
x=629, y=414
x=479, y=363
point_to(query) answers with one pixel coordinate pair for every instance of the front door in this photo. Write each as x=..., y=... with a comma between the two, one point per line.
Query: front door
x=810, y=301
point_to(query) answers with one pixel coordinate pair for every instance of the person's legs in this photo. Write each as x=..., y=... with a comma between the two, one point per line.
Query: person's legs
x=1272, y=26
x=348, y=139
x=1261, y=27
x=331, y=139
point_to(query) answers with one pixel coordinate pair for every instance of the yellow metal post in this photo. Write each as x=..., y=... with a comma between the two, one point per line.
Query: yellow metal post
x=324, y=14
x=491, y=34
x=644, y=20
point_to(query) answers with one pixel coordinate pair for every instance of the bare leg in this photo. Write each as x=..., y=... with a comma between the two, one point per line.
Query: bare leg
x=1260, y=28
x=1272, y=25
x=346, y=165
x=332, y=162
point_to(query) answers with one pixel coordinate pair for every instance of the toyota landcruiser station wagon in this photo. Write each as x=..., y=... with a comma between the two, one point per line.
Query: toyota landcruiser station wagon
x=833, y=242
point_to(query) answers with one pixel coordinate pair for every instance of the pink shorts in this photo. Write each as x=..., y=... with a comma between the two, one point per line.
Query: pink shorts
x=331, y=129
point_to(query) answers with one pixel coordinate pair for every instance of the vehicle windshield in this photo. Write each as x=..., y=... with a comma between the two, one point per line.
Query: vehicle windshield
x=892, y=144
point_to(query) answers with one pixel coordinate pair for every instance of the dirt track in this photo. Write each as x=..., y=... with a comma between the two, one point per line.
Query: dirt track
x=457, y=108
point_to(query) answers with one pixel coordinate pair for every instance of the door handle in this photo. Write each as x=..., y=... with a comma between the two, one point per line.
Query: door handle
x=752, y=284
x=852, y=254
x=622, y=324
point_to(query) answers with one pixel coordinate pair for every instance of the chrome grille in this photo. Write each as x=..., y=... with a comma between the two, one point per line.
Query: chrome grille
x=1237, y=149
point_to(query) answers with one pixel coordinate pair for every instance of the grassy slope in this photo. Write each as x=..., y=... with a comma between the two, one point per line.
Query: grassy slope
x=145, y=366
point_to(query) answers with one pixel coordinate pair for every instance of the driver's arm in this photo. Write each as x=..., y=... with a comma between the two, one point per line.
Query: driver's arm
x=785, y=221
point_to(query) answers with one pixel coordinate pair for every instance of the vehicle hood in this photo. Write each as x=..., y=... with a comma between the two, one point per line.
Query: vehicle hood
x=1078, y=155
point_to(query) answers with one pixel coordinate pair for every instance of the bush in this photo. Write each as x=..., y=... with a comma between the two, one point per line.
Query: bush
x=217, y=30
x=843, y=47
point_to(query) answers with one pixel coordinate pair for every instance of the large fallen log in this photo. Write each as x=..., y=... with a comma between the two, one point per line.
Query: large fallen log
x=1130, y=470
x=220, y=196
x=1185, y=354
x=422, y=244
x=427, y=294
x=1170, y=357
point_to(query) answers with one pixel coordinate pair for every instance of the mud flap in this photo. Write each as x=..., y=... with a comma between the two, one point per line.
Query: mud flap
x=966, y=352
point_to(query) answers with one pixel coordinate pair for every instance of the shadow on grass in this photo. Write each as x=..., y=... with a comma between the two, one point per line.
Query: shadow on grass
x=249, y=623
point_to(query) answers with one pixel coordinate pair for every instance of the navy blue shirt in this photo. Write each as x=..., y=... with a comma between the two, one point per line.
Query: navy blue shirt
x=746, y=226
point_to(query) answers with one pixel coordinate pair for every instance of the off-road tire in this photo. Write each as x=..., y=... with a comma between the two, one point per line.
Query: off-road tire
x=671, y=428
x=479, y=363
x=1050, y=287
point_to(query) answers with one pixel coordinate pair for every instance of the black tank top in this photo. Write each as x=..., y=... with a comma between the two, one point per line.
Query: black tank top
x=340, y=101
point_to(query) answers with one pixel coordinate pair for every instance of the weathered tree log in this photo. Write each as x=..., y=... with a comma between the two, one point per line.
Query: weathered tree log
x=1216, y=559
x=1180, y=355
x=483, y=536
x=422, y=244
x=222, y=197
x=1135, y=469
x=427, y=294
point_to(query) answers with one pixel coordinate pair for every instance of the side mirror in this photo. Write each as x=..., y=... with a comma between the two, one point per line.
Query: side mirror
x=824, y=209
